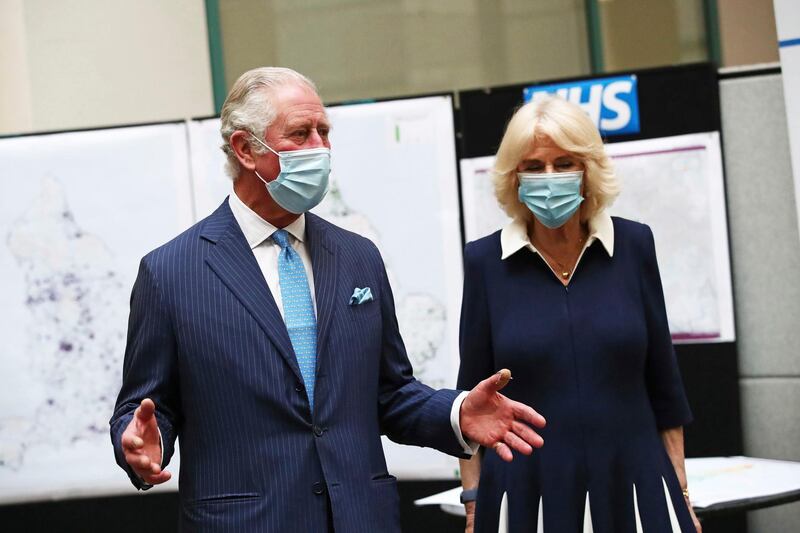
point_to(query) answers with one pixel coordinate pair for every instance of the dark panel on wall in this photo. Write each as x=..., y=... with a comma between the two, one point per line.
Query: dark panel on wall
x=672, y=101
x=154, y=513
x=711, y=377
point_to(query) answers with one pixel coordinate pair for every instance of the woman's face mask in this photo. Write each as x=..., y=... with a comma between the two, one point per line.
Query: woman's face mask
x=552, y=197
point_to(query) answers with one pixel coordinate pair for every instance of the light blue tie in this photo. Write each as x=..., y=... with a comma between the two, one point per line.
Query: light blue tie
x=298, y=310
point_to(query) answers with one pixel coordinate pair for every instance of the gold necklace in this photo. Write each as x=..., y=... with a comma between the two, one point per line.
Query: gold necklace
x=565, y=271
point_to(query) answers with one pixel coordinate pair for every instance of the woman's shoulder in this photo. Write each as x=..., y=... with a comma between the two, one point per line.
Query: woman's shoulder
x=626, y=229
x=483, y=248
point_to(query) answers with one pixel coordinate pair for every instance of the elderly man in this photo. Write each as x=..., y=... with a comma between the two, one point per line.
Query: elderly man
x=266, y=339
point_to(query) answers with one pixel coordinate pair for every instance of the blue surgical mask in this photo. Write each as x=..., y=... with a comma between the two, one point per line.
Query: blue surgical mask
x=303, y=180
x=553, y=198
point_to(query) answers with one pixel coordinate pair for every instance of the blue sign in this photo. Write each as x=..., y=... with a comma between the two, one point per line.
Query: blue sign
x=612, y=103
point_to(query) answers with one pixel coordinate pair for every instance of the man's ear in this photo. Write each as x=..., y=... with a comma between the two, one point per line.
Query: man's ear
x=241, y=145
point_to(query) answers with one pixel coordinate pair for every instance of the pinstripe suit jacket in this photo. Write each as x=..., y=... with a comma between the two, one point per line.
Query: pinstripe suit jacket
x=207, y=343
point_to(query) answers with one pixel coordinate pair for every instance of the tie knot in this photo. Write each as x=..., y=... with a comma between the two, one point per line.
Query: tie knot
x=281, y=238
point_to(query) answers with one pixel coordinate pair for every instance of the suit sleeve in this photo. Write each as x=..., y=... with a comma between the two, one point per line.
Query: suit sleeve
x=475, y=335
x=410, y=412
x=150, y=369
x=662, y=376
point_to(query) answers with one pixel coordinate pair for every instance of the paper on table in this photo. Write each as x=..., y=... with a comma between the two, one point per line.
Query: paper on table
x=449, y=501
x=714, y=480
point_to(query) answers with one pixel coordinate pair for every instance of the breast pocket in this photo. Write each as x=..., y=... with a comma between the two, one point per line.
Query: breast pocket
x=365, y=310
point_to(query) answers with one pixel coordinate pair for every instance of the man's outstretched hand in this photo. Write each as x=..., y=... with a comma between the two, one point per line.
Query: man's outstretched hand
x=141, y=443
x=493, y=421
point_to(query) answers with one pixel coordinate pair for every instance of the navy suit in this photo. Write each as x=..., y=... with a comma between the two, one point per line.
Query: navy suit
x=207, y=343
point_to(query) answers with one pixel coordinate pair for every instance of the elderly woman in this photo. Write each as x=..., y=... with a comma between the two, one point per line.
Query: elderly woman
x=570, y=299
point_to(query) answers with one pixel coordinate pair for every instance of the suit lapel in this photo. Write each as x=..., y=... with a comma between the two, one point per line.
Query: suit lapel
x=233, y=262
x=324, y=263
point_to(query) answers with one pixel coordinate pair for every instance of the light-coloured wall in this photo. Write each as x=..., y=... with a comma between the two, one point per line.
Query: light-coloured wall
x=649, y=33
x=84, y=63
x=765, y=250
x=15, y=99
x=358, y=49
x=747, y=32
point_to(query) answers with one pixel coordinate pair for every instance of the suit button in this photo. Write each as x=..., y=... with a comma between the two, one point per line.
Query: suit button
x=299, y=387
x=318, y=431
x=318, y=488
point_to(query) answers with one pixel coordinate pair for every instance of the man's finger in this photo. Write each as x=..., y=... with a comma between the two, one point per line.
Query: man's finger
x=155, y=479
x=516, y=443
x=502, y=378
x=131, y=442
x=145, y=410
x=133, y=460
x=527, y=434
x=526, y=414
x=503, y=451
x=143, y=462
x=495, y=382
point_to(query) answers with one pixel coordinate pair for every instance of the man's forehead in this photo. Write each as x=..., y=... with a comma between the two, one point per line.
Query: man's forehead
x=304, y=114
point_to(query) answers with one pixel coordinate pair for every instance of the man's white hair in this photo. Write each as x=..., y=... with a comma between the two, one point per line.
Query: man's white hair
x=249, y=107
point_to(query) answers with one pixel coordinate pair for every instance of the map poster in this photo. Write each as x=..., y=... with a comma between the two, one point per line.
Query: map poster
x=77, y=212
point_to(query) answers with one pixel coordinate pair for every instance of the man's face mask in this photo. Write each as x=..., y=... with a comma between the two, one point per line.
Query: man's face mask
x=303, y=180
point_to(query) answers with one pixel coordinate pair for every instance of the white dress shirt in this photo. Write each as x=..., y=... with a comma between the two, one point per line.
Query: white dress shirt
x=257, y=232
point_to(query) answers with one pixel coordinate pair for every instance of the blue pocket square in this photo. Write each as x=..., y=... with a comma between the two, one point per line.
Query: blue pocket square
x=360, y=296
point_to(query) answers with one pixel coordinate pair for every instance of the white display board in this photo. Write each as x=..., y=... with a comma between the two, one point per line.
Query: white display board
x=676, y=186
x=787, y=20
x=77, y=213
x=393, y=180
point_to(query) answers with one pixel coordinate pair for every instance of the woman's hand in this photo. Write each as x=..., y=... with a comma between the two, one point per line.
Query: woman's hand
x=470, y=509
x=696, y=520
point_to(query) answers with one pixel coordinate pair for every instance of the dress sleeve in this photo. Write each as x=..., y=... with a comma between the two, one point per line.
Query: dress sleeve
x=664, y=384
x=475, y=337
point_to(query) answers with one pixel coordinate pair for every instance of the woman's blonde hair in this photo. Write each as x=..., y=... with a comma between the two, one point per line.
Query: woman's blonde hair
x=571, y=129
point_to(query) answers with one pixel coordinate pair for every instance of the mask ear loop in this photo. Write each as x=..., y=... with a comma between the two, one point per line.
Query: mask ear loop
x=262, y=143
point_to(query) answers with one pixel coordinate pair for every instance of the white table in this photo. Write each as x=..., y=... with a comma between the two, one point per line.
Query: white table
x=716, y=484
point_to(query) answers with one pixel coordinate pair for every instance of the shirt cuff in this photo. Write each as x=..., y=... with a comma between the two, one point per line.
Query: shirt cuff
x=470, y=448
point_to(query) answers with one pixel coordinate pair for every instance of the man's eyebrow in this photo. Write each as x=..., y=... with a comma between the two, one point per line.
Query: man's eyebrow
x=306, y=123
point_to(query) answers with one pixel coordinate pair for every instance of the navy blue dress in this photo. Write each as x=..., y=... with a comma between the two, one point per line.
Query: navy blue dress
x=596, y=359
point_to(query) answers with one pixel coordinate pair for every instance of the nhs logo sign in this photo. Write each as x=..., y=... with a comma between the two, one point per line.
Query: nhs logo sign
x=612, y=103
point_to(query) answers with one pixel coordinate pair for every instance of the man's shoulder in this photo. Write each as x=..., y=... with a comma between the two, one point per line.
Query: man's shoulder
x=189, y=242
x=339, y=235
